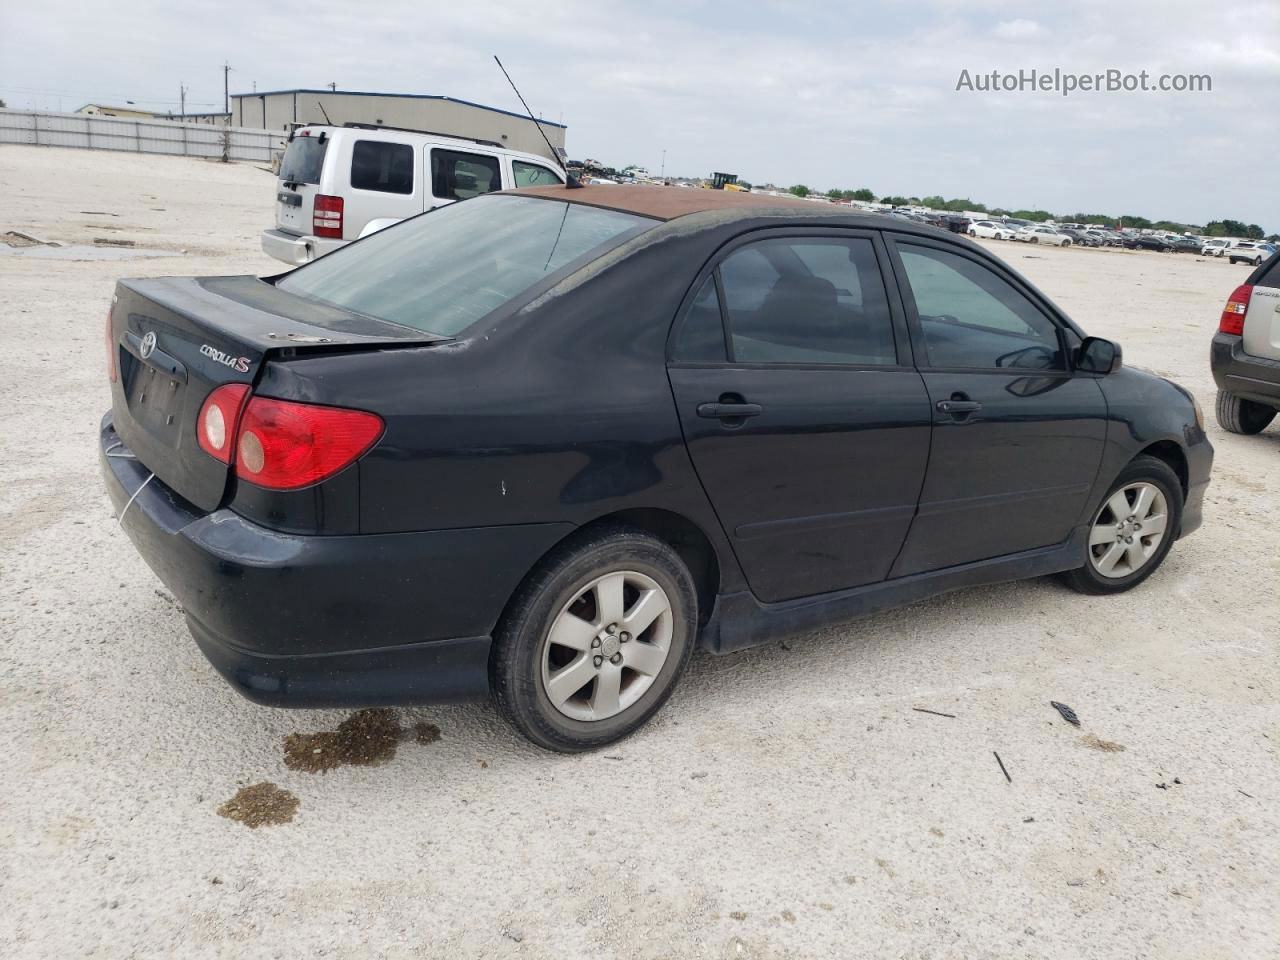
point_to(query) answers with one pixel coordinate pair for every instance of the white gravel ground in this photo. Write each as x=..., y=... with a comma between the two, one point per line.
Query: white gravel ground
x=787, y=803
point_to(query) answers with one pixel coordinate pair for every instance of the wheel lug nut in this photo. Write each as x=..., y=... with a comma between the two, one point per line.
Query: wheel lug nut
x=598, y=660
x=624, y=636
x=612, y=628
x=616, y=658
x=595, y=641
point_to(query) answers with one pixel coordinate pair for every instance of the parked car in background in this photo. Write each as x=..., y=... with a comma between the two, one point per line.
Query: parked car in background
x=337, y=184
x=1216, y=247
x=1081, y=237
x=1186, y=245
x=370, y=480
x=1148, y=242
x=1245, y=357
x=1044, y=234
x=1250, y=252
x=990, y=230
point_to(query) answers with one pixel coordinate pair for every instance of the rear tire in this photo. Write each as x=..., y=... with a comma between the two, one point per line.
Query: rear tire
x=590, y=686
x=1118, y=554
x=1236, y=415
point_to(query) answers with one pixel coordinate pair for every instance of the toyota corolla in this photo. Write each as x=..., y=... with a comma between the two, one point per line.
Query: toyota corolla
x=542, y=444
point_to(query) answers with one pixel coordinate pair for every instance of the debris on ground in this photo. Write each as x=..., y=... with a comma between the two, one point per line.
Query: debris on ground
x=1068, y=714
x=15, y=239
x=367, y=738
x=1106, y=746
x=738, y=915
x=260, y=805
x=1166, y=786
x=1077, y=882
x=99, y=213
x=1002, y=769
x=513, y=933
x=1028, y=819
x=698, y=776
x=425, y=734
x=936, y=713
x=113, y=242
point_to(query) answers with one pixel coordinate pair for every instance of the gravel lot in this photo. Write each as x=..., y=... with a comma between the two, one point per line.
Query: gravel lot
x=787, y=803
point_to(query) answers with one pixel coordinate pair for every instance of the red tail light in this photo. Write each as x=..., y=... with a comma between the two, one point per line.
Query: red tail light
x=111, y=350
x=216, y=427
x=326, y=216
x=284, y=445
x=1233, y=313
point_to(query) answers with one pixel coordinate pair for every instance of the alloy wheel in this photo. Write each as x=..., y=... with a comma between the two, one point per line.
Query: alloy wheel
x=1128, y=530
x=607, y=645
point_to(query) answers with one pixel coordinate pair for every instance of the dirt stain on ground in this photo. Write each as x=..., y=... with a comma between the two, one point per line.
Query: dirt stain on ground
x=260, y=805
x=367, y=738
x=425, y=733
x=1106, y=746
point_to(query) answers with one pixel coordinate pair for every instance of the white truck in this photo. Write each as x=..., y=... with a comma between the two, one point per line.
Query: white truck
x=338, y=184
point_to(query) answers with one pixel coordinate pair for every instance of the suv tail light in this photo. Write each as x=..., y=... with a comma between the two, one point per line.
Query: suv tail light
x=283, y=445
x=326, y=216
x=111, y=350
x=1233, y=313
x=216, y=426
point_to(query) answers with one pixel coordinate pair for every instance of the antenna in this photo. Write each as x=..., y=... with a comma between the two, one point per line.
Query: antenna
x=571, y=182
x=325, y=113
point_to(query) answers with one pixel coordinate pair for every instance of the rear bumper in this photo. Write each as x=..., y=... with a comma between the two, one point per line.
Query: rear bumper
x=1243, y=375
x=313, y=621
x=296, y=250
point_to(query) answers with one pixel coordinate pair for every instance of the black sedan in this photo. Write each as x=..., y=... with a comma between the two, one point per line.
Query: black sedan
x=1144, y=242
x=542, y=444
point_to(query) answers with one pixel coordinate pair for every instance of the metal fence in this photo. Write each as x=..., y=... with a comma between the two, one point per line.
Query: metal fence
x=44, y=129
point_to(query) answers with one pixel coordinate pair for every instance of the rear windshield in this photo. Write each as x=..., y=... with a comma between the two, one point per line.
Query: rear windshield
x=444, y=270
x=303, y=160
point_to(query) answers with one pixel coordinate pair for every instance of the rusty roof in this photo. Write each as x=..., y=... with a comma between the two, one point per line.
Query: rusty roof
x=667, y=203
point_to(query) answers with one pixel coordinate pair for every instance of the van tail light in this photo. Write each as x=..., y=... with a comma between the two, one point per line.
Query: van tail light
x=283, y=445
x=326, y=216
x=216, y=426
x=111, y=351
x=1233, y=313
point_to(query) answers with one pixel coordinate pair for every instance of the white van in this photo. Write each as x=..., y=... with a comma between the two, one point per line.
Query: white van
x=338, y=184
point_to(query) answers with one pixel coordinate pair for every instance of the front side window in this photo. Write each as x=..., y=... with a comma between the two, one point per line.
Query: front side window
x=808, y=300
x=971, y=317
x=382, y=166
x=460, y=176
x=442, y=271
x=532, y=174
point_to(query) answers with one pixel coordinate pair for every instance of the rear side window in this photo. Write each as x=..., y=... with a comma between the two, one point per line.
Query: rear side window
x=808, y=300
x=461, y=176
x=1269, y=273
x=303, y=160
x=531, y=174
x=700, y=337
x=382, y=166
x=972, y=317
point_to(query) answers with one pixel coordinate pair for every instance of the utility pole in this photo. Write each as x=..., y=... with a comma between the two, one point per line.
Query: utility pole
x=333, y=87
x=663, y=172
x=226, y=96
x=182, y=99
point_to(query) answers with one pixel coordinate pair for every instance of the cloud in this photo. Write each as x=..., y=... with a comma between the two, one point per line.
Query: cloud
x=1018, y=30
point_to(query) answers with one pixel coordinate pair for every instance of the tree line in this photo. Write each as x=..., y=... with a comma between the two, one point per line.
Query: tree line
x=1214, y=228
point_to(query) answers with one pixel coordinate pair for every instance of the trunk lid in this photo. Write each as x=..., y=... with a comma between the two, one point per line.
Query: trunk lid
x=299, y=182
x=1262, y=319
x=176, y=339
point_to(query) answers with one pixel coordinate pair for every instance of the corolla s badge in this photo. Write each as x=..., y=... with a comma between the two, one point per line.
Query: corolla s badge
x=239, y=364
x=148, y=345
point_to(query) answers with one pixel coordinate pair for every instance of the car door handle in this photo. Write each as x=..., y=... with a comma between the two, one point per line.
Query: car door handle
x=959, y=408
x=729, y=411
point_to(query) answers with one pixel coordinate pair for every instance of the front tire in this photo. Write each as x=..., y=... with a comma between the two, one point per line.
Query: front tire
x=595, y=640
x=1236, y=415
x=1132, y=529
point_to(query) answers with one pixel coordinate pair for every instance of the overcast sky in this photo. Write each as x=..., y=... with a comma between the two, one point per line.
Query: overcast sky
x=833, y=94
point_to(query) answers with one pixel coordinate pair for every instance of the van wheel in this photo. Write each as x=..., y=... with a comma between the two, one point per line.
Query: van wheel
x=1236, y=415
x=595, y=640
x=1132, y=530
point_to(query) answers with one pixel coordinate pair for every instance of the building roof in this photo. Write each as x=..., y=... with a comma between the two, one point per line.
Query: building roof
x=667, y=203
x=398, y=96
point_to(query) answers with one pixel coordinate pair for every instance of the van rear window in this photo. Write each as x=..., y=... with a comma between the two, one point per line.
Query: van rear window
x=303, y=160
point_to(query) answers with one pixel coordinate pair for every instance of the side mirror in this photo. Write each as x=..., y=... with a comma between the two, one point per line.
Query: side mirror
x=1096, y=355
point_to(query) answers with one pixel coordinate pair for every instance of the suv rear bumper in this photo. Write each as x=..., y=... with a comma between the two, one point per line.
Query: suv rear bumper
x=1241, y=374
x=317, y=621
x=296, y=250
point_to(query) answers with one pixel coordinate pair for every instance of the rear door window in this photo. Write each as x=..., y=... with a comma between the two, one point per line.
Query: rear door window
x=808, y=300
x=532, y=174
x=460, y=176
x=382, y=166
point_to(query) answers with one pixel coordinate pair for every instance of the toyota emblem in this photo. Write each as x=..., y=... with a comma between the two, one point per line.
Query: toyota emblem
x=148, y=345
